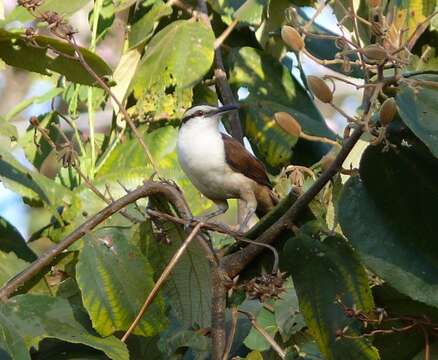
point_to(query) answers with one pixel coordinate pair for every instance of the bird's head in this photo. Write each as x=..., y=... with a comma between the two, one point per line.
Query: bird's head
x=206, y=113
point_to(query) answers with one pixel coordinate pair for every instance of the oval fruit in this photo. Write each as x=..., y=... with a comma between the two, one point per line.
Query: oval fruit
x=388, y=111
x=320, y=89
x=375, y=52
x=292, y=38
x=288, y=123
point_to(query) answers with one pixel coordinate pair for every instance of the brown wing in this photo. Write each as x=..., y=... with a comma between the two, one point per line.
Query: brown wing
x=241, y=160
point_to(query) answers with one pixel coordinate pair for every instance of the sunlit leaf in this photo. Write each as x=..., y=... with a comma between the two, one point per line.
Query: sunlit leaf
x=142, y=29
x=272, y=89
x=115, y=279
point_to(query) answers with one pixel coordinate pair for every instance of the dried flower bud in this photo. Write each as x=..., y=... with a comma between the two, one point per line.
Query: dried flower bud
x=374, y=3
x=288, y=123
x=292, y=38
x=320, y=89
x=388, y=111
x=375, y=52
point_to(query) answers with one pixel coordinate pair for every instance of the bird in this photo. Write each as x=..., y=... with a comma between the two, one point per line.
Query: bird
x=219, y=166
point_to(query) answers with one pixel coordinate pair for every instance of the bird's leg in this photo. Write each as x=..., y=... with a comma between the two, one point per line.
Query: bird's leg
x=251, y=206
x=222, y=207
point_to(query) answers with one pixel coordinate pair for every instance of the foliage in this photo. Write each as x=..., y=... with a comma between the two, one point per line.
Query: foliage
x=355, y=269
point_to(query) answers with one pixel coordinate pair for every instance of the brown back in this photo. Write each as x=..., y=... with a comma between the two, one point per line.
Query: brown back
x=241, y=160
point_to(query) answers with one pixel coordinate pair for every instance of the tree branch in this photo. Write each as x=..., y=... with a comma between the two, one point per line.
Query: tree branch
x=149, y=188
x=234, y=263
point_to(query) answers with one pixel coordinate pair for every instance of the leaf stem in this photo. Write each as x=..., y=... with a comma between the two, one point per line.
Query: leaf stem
x=91, y=114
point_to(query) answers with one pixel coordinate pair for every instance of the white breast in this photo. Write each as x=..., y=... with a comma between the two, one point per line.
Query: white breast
x=202, y=157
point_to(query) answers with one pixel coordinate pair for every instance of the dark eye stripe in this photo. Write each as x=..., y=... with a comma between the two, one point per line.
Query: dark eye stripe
x=197, y=113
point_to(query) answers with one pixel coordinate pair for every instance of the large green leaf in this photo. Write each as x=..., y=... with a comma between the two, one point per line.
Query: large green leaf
x=389, y=215
x=179, y=55
x=63, y=8
x=321, y=272
x=406, y=344
x=142, y=29
x=271, y=89
x=287, y=316
x=16, y=50
x=115, y=279
x=417, y=108
x=27, y=319
x=12, y=241
x=188, y=289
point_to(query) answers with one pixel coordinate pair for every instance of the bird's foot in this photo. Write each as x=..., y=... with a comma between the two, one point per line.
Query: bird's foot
x=193, y=221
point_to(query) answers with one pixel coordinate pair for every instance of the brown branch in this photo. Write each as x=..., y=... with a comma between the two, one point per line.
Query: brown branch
x=218, y=305
x=234, y=263
x=163, y=277
x=147, y=189
x=221, y=78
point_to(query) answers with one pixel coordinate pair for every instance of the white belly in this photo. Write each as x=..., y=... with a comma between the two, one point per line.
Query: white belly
x=202, y=157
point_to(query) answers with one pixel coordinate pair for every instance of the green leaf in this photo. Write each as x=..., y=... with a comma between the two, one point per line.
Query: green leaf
x=197, y=344
x=64, y=8
x=115, y=279
x=251, y=11
x=34, y=186
x=31, y=318
x=255, y=340
x=10, y=265
x=142, y=30
x=417, y=108
x=179, y=55
x=287, y=315
x=406, y=344
x=390, y=218
x=7, y=129
x=323, y=271
x=49, y=95
x=188, y=289
x=175, y=60
x=16, y=50
x=35, y=146
x=272, y=89
x=12, y=241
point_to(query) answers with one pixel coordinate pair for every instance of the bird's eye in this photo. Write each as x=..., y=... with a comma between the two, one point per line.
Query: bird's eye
x=199, y=113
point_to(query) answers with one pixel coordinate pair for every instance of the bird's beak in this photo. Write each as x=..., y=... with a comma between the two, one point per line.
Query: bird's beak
x=224, y=109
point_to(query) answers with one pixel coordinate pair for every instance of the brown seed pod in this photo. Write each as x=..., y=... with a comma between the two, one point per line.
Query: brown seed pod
x=320, y=89
x=288, y=123
x=292, y=38
x=375, y=52
x=388, y=111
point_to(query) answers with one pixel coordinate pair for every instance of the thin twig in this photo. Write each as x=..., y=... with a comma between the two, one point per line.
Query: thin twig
x=222, y=37
x=232, y=333
x=163, y=277
x=265, y=334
